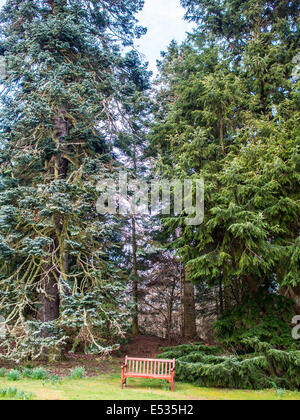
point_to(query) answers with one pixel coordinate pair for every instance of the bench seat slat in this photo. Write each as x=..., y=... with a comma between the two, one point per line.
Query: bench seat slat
x=145, y=375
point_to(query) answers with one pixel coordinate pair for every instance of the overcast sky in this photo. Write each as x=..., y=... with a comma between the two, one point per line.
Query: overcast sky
x=164, y=20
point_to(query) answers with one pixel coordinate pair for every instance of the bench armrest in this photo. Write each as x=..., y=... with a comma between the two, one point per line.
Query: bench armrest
x=124, y=366
x=173, y=369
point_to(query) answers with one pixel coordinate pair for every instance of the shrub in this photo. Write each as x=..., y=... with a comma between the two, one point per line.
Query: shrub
x=248, y=320
x=14, y=393
x=39, y=373
x=77, y=373
x=266, y=367
x=13, y=375
x=2, y=372
x=27, y=372
x=185, y=349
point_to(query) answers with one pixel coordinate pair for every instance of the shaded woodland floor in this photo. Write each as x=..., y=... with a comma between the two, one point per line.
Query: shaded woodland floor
x=139, y=346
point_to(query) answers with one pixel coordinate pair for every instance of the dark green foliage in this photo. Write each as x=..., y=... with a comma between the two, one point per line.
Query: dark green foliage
x=264, y=316
x=185, y=349
x=266, y=368
x=228, y=110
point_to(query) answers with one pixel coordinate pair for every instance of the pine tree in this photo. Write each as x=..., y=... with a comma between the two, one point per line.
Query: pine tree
x=132, y=144
x=226, y=92
x=58, y=121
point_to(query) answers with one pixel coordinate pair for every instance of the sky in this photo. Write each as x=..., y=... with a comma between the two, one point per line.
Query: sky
x=164, y=20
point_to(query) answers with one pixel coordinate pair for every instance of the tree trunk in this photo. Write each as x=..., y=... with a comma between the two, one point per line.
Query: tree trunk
x=135, y=318
x=221, y=297
x=189, y=308
x=49, y=310
x=252, y=285
x=49, y=298
x=170, y=311
x=292, y=293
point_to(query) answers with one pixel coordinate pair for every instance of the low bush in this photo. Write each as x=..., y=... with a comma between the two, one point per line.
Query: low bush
x=36, y=373
x=266, y=317
x=267, y=367
x=13, y=375
x=15, y=394
x=185, y=349
x=77, y=373
x=39, y=373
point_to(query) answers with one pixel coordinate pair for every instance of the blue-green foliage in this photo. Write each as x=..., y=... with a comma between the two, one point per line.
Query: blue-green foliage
x=36, y=373
x=187, y=349
x=14, y=375
x=56, y=136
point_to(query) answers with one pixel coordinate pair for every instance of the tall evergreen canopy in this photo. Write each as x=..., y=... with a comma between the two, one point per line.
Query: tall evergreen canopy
x=77, y=106
x=66, y=86
x=231, y=115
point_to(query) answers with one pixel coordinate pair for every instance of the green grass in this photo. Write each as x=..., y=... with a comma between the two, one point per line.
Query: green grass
x=108, y=387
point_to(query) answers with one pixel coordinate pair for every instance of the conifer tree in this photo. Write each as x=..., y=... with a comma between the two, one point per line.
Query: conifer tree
x=227, y=92
x=132, y=144
x=58, y=121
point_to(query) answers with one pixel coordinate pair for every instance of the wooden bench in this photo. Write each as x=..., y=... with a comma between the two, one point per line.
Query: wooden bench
x=148, y=368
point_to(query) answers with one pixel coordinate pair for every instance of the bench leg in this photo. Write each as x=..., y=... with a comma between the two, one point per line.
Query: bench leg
x=123, y=382
x=172, y=383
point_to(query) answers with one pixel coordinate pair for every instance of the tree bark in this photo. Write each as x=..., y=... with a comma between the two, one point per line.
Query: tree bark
x=221, y=297
x=50, y=298
x=252, y=285
x=292, y=293
x=189, y=308
x=135, y=318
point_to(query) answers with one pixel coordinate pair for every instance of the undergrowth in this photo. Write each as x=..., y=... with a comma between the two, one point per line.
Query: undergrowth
x=14, y=393
x=267, y=367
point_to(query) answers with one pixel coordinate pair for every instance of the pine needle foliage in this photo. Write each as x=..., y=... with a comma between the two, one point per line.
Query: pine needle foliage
x=265, y=368
x=264, y=316
x=65, y=89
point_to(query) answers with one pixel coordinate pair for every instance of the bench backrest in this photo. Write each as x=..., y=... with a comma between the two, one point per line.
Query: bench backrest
x=157, y=367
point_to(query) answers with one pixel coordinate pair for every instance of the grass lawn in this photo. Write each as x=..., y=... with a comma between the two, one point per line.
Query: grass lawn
x=107, y=387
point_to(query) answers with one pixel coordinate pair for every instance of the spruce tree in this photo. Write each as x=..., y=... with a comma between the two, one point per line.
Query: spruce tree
x=58, y=121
